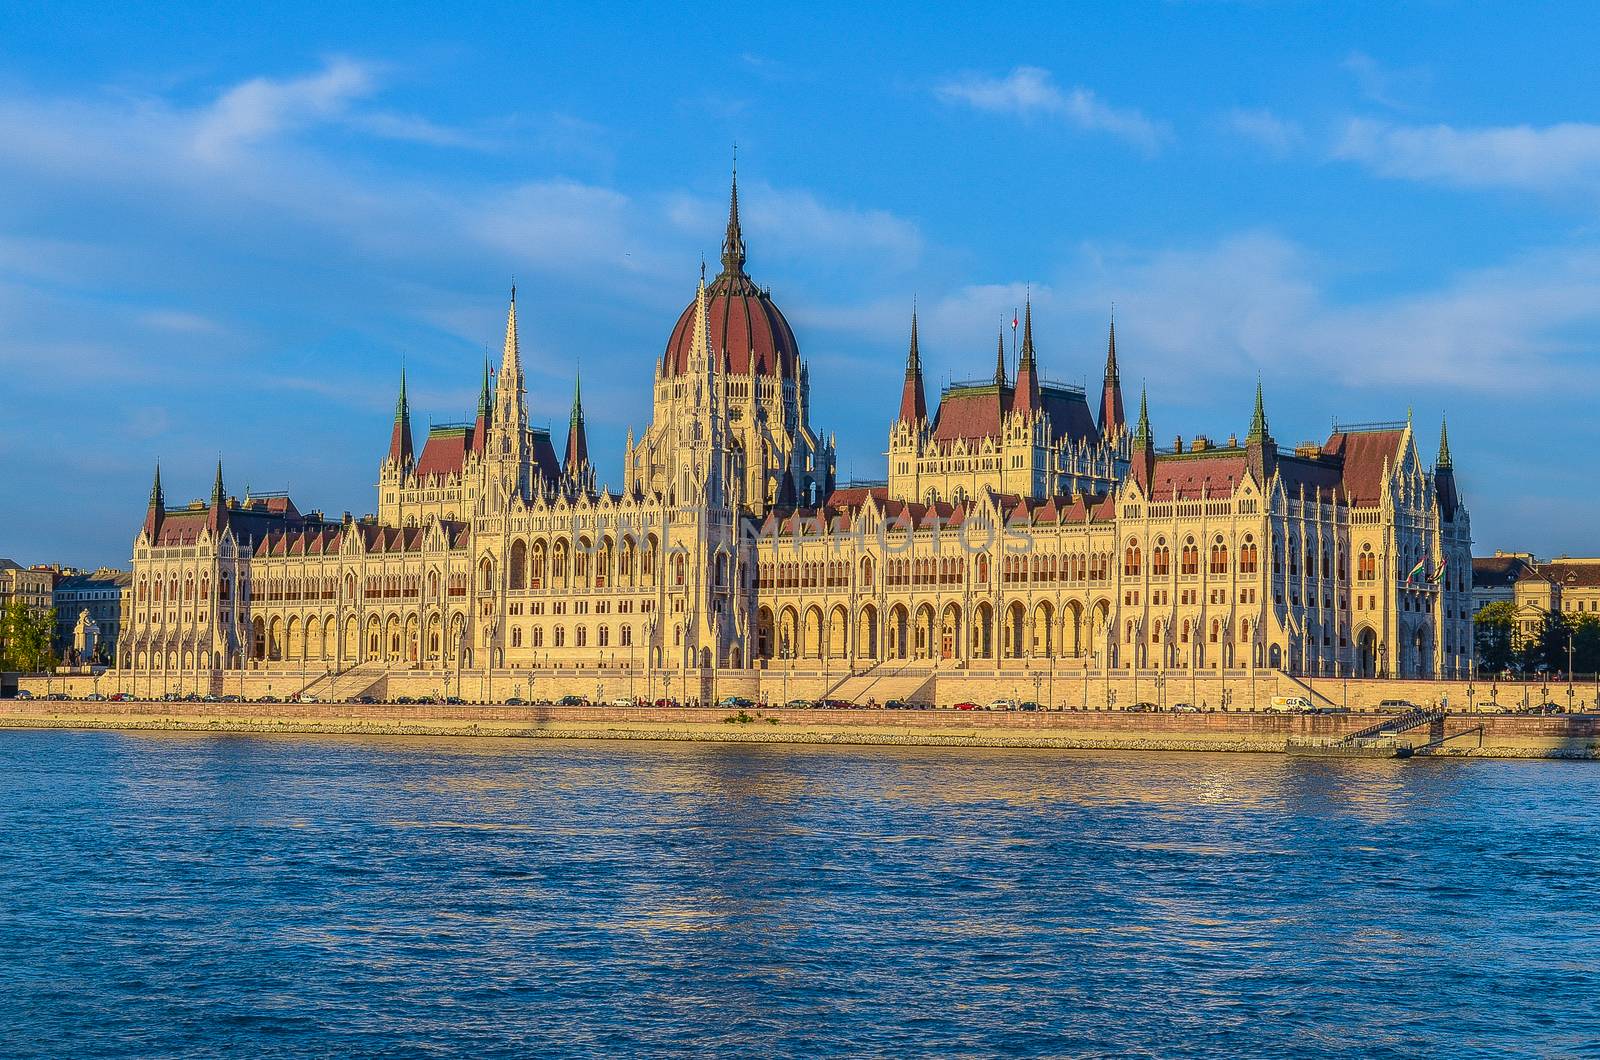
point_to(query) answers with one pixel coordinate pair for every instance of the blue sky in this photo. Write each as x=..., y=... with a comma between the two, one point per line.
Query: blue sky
x=222, y=227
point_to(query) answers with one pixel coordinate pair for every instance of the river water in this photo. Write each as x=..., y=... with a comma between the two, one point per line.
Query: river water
x=315, y=896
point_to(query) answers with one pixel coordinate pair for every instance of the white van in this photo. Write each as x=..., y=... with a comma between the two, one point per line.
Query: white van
x=1289, y=704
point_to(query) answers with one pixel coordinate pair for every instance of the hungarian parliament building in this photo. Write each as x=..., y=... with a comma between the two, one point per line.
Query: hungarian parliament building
x=1020, y=527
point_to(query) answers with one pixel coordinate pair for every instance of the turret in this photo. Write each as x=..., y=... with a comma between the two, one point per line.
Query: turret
x=913, y=402
x=1111, y=415
x=480, y=426
x=1027, y=399
x=217, y=517
x=1144, y=446
x=1261, y=451
x=157, y=510
x=1000, y=360
x=575, y=464
x=1444, y=477
x=400, y=435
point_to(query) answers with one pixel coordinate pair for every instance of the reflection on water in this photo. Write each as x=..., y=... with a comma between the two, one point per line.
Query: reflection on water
x=185, y=895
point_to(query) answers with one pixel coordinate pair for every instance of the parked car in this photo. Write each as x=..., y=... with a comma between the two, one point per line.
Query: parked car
x=897, y=704
x=967, y=705
x=23, y=693
x=118, y=697
x=1002, y=704
x=798, y=704
x=1185, y=708
x=1396, y=706
x=95, y=697
x=514, y=701
x=228, y=699
x=727, y=701
x=1289, y=704
x=456, y=701
x=1142, y=706
x=366, y=699
x=666, y=701
x=570, y=701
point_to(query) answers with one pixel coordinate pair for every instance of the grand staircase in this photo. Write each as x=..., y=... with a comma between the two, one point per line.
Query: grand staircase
x=335, y=687
x=900, y=680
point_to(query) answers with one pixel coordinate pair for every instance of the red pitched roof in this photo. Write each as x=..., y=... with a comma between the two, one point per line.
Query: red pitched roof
x=1189, y=477
x=1363, y=454
x=445, y=452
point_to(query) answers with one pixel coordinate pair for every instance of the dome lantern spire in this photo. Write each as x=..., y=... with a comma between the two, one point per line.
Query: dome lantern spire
x=733, y=255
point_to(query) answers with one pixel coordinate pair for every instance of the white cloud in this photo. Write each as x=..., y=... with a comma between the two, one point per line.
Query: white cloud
x=1551, y=158
x=1280, y=135
x=263, y=107
x=1385, y=86
x=1031, y=90
x=1258, y=301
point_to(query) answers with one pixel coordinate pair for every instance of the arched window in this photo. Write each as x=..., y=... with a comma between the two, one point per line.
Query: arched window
x=1190, y=557
x=1160, y=559
x=1248, y=558
x=1219, y=557
x=519, y=564
x=1131, y=559
x=866, y=572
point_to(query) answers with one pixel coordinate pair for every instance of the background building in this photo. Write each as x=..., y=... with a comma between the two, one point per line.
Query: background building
x=97, y=594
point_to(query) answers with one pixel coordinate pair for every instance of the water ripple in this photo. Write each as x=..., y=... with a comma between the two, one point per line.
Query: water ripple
x=177, y=895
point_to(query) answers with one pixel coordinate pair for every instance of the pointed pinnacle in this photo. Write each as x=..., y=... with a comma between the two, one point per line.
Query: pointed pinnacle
x=1444, y=444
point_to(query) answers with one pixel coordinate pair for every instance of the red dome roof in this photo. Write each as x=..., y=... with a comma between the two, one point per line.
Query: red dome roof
x=742, y=323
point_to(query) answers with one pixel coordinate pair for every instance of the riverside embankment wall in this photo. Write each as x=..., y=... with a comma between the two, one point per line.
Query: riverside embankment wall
x=1569, y=736
x=1061, y=687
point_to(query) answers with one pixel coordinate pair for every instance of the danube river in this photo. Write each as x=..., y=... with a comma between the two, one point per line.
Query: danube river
x=187, y=896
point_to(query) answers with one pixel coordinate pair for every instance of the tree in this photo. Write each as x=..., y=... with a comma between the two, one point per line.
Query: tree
x=1493, y=633
x=1586, y=644
x=25, y=638
x=1546, y=650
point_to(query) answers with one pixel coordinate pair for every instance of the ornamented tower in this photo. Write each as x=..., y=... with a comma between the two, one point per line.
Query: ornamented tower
x=779, y=459
x=508, y=466
x=1023, y=437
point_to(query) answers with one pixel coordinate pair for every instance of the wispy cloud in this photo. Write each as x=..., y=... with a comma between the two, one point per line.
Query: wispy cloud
x=1383, y=85
x=1279, y=135
x=263, y=107
x=1551, y=158
x=1256, y=300
x=1032, y=91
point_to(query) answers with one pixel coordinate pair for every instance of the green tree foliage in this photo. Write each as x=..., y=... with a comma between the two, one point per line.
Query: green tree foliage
x=25, y=638
x=1494, y=631
x=1586, y=644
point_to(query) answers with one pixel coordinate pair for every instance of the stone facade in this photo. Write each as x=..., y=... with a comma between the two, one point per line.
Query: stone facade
x=1018, y=533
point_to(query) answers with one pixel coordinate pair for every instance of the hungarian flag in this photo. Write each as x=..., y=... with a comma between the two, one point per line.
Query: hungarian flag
x=1013, y=320
x=1419, y=569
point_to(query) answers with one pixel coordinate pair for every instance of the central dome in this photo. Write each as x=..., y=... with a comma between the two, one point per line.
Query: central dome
x=743, y=325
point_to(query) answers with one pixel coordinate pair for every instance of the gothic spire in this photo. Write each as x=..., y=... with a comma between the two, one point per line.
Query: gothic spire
x=400, y=436
x=733, y=241
x=1027, y=396
x=217, y=517
x=913, y=402
x=157, y=509
x=1144, y=446
x=1444, y=445
x=1000, y=360
x=1258, y=421
x=577, y=456
x=1112, y=417
x=1141, y=431
x=480, y=427
x=509, y=414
